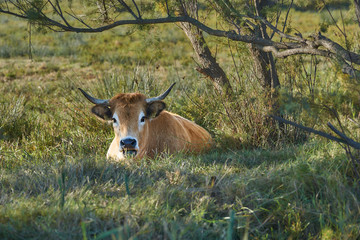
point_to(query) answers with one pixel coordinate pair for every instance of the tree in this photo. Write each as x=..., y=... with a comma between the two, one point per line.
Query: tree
x=249, y=26
x=357, y=10
x=210, y=67
x=241, y=21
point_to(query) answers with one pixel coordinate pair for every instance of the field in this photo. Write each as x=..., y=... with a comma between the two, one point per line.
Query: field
x=55, y=182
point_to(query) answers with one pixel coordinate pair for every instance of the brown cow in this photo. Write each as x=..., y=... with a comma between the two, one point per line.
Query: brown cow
x=142, y=128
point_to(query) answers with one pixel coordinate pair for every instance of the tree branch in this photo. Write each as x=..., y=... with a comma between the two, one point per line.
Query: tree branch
x=357, y=10
x=78, y=19
x=311, y=130
x=286, y=17
x=123, y=3
x=332, y=46
x=137, y=9
x=343, y=139
x=348, y=141
x=58, y=10
x=295, y=51
x=295, y=46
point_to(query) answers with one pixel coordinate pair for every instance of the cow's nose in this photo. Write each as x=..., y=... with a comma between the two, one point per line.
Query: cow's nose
x=128, y=143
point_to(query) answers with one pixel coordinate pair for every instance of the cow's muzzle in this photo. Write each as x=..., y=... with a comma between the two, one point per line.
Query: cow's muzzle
x=129, y=152
x=128, y=146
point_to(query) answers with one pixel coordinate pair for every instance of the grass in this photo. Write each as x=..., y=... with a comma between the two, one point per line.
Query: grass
x=278, y=194
x=55, y=182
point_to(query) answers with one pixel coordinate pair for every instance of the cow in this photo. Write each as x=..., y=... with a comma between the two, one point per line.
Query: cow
x=143, y=128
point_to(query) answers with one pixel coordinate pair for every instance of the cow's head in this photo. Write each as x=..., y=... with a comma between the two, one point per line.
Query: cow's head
x=129, y=114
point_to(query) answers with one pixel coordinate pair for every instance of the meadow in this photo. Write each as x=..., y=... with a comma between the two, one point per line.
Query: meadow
x=55, y=182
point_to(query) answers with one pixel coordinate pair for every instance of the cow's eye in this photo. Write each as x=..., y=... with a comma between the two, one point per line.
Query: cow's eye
x=143, y=119
x=114, y=120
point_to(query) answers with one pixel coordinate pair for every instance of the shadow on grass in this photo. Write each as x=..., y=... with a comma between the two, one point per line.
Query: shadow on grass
x=252, y=158
x=95, y=172
x=198, y=190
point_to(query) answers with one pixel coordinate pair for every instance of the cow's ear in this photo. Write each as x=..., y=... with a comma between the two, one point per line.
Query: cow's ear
x=153, y=109
x=101, y=111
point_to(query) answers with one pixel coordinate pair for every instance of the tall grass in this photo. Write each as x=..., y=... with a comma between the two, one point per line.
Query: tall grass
x=288, y=196
x=55, y=182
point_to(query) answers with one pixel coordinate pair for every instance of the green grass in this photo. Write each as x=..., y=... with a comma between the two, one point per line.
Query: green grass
x=275, y=194
x=55, y=182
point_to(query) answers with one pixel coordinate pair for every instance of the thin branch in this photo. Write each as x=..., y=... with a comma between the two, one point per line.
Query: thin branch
x=354, y=161
x=29, y=41
x=183, y=8
x=281, y=34
x=278, y=15
x=77, y=18
x=167, y=7
x=13, y=14
x=58, y=10
x=311, y=130
x=233, y=59
x=286, y=17
x=295, y=51
x=328, y=10
x=347, y=140
x=137, y=9
x=103, y=10
x=123, y=3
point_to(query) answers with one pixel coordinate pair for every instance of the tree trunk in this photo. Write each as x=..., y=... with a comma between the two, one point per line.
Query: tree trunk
x=265, y=68
x=357, y=10
x=209, y=66
x=264, y=62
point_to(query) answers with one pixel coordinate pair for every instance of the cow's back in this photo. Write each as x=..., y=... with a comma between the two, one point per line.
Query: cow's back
x=173, y=133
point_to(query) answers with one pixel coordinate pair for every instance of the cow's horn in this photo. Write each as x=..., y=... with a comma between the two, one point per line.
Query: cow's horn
x=94, y=100
x=162, y=96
